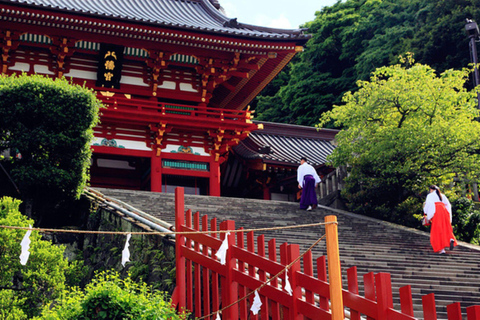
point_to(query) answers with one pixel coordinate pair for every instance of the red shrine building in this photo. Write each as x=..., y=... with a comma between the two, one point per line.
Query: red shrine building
x=176, y=78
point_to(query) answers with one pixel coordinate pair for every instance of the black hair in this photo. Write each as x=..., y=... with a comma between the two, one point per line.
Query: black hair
x=303, y=158
x=437, y=190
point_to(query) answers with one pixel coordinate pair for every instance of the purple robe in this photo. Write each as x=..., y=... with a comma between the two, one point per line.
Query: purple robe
x=309, y=196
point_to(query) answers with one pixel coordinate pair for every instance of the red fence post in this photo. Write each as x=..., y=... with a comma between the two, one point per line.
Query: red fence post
x=454, y=311
x=197, y=269
x=205, y=273
x=322, y=275
x=429, y=311
x=473, y=313
x=262, y=276
x=179, y=242
x=308, y=270
x=215, y=278
x=352, y=279
x=406, y=303
x=242, y=290
x=284, y=261
x=229, y=286
x=384, y=294
x=294, y=253
x=272, y=255
x=189, y=267
x=369, y=288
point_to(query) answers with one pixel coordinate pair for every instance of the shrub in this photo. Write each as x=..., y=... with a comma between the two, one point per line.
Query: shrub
x=108, y=296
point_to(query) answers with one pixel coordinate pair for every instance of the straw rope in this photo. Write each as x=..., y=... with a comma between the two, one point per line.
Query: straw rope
x=164, y=233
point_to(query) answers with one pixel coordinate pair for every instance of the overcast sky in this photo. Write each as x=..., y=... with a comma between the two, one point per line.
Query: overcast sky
x=285, y=14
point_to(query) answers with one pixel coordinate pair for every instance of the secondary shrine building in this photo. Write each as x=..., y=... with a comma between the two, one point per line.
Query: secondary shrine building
x=176, y=77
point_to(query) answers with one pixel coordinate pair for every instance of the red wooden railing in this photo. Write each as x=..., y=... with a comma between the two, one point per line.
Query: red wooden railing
x=135, y=107
x=204, y=286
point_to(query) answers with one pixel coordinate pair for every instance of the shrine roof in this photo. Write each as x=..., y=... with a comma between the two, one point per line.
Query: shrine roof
x=285, y=144
x=195, y=15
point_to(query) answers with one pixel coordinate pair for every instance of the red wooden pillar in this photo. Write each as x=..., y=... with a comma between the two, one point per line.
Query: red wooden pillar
x=156, y=173
x=292, y=254
x=473, y=313
x=353, y=287
x=384, y=295
x=214, y=178
x=179, y=243
x=429, y=310
x=229, y=285
x=266, y=192
x=369, y=288
x=454, y=311
x=406, y=302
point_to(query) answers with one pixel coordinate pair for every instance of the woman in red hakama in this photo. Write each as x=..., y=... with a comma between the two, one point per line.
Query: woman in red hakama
x=439, y=212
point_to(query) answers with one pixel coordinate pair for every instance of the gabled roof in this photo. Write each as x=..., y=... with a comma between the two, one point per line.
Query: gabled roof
x=284, y=144
x=200, y=15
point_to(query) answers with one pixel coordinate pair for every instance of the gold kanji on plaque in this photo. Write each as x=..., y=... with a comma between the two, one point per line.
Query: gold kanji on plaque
x=109, y=64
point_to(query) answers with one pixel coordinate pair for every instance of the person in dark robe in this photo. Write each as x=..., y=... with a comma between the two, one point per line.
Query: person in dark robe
x=308, y=181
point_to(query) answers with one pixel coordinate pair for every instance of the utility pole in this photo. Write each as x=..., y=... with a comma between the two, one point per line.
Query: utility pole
x=472, y=31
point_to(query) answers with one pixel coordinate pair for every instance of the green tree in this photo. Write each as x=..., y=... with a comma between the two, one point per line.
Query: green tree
x=404, y=129
x=25, y=289
x=110, y=297
x=354, y=37
x=49, y=124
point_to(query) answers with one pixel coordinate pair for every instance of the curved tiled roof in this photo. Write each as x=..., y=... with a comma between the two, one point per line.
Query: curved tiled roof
x=198, y=15
x=284, y=144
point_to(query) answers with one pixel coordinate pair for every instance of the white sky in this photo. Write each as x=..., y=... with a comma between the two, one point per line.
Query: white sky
x=284, y=14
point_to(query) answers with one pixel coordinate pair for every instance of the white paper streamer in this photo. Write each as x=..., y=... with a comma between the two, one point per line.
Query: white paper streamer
x=222, y=251
x=126, y=252
x=218, y=316
x=25, y=247
x=287, y=286
x=257, y=303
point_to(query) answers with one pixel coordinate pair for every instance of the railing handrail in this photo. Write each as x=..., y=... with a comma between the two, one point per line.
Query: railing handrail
x=148, y=106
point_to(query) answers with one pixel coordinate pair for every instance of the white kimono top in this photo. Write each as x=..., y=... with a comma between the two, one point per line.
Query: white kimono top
x=429, y=207
x=304, y=170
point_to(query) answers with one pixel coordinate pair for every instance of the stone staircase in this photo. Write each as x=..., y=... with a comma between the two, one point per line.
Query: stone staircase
x=369, y=244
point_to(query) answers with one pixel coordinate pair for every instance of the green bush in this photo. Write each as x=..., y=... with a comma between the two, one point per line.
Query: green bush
x=466, y=220
x=25, y=289
x=49, y=125
x=110, y=297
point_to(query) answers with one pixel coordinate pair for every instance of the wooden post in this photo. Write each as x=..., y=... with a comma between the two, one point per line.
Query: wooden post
x=454, y=311
x=155, y=173
x=229, y=286
x=429, y=310
x=406, y=303
x=334, y=271
x=473, y=313
x=383, y=285
x=322, y=275
x=353, y=288
x=369, y=288
x=214, y=178
x=179, y=243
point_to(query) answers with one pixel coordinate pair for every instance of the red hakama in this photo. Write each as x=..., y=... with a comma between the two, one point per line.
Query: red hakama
x=441, y=230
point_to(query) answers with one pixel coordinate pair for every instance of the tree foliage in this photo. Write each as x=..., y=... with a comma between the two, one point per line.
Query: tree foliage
x=49, y=125
x=25, y=289
x=354, y=37
x=110, y=297
x=406, y=128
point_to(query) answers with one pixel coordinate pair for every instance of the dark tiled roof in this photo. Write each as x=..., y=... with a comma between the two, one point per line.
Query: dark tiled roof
x=198, y=15
x=284, y=144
